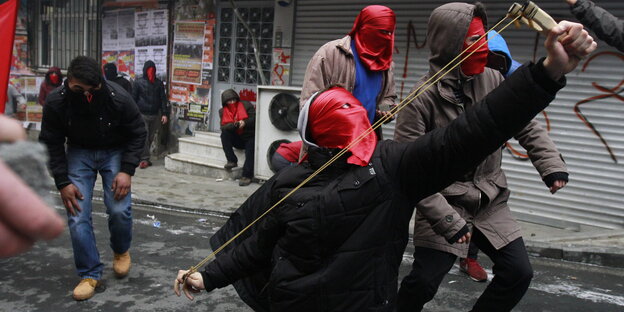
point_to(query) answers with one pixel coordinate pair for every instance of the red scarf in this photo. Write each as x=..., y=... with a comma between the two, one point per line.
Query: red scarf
x=233, y=113
x=337, y=118
x=374, y=47
x=475, y=64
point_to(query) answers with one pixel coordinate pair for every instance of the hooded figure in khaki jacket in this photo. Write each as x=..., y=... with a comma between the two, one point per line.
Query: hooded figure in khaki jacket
x=351, y=61
x=480, y=197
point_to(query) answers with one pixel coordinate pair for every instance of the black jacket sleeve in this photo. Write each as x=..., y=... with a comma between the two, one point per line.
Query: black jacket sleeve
x=252, y=255
x=136, y=91
x=606, y=26
x=249, y=253
x=440, y=157
x=250, y=122
x=132, y=122
x=164, y=107
x=53, y=135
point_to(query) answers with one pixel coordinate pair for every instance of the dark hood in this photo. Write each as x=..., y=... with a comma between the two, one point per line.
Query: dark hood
x=110, y=71
x=56, y=70
x=446, y=38
x=227, y=95
x=147, y=65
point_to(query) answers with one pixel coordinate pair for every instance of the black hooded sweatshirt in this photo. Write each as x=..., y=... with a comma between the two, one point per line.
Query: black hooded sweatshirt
x=110, y=72
x=150, y=97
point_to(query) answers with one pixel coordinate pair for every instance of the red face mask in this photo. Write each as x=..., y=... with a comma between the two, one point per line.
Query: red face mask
x=373, y=32
x=54, y=78
x=475, y=64
x=337, y=118
x=151, y=74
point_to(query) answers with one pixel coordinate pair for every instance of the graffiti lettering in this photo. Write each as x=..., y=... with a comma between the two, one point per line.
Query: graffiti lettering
x=606, y=93
x=411, y=35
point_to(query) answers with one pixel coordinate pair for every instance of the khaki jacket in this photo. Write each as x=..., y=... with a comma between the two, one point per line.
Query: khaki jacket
x=333, y=64
x=481, y=196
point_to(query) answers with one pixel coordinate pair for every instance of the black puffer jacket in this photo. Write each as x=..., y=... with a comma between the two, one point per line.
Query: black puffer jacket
x=150, y=97
x=606, y=26
x=336, y=244
x=111, y=121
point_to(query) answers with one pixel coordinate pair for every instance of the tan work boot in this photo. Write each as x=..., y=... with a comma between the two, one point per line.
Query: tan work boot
x=85, y=289
x=121, y=264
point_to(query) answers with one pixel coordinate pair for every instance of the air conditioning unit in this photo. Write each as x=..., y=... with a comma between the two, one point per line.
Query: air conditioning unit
x=277, y=112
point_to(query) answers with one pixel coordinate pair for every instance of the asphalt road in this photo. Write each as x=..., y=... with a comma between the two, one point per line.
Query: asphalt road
x=43, y=279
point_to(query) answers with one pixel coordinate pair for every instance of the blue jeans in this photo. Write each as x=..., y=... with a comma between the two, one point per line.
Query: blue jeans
x=83, y=166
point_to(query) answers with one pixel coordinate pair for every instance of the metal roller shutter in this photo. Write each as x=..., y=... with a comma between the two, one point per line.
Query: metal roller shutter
x=593, y=196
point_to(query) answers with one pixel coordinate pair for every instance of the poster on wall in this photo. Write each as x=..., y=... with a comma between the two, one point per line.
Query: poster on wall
x=118, y=40
x=188, y=52
x=125, y=30
x=196, y=112
x=109, y=31
x=150, y=38
x=125, y=63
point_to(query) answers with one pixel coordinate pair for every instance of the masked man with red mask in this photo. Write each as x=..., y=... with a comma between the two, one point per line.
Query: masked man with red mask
x=361, y=62
x=336, y=243
x=238, y=129
x=53, y=80
x=480, y=196
x=149, y=94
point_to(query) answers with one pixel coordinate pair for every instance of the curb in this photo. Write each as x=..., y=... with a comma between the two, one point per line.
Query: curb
x=603, y=256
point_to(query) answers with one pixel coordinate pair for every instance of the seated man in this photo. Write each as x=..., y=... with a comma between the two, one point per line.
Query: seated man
x=286, y=155
x=337, y=242
x=238, y=127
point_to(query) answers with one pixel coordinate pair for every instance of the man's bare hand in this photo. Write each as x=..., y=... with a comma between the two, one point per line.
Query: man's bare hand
x=464, y=239
x=193, y=284
x=70, y=195
x=571, y=2
x=566, y=44
x=11, y=130
x=241, y=124
x=163, y=120
x=557, y=185
x=121, y=185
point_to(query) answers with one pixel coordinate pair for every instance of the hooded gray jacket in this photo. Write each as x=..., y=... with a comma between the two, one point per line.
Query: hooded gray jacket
x=481, y=196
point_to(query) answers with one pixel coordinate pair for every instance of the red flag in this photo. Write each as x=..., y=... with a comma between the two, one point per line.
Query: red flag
x=8, y=18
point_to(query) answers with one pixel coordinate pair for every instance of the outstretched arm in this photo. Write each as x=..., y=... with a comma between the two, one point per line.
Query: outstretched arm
x=606, y=26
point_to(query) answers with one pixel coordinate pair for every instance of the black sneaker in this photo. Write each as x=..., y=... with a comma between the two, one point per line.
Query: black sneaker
x=230, y=165
x=244, y=181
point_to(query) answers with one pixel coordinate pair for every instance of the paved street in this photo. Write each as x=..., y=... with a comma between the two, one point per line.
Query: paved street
x=42, y=279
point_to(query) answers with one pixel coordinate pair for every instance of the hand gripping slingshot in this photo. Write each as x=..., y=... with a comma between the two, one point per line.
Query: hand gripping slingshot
x=529, y=14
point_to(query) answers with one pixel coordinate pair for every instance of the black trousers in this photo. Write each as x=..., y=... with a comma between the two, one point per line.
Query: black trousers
x=512, y=276
x=231, y=140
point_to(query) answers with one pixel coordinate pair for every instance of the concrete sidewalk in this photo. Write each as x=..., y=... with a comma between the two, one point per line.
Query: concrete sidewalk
x=157, y=187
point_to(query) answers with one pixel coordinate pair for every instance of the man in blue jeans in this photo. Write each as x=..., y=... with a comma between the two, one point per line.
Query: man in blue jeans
x=105, y=133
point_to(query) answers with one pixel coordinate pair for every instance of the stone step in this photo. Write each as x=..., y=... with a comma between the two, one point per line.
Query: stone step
x=214, y=137
x=200, y=166
x=206, y=148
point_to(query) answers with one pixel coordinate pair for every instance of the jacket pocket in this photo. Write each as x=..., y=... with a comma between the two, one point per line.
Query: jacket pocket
x=455, y=189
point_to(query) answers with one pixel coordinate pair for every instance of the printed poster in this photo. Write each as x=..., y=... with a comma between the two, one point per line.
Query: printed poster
x=188, y=52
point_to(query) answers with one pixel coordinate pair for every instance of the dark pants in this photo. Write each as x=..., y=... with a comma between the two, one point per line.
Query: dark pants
x=512, y=276
x=473, y=250
x=152, y=124
x=231, y=140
